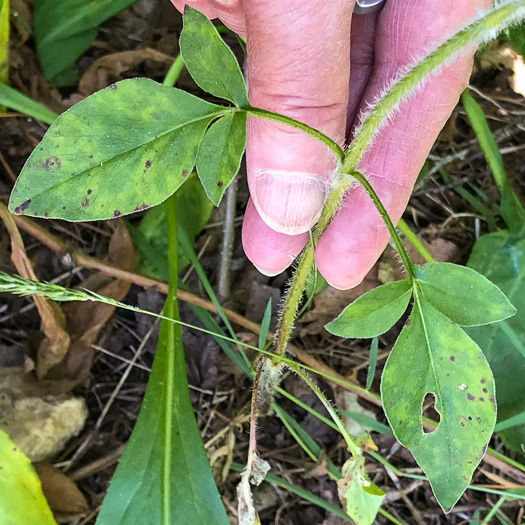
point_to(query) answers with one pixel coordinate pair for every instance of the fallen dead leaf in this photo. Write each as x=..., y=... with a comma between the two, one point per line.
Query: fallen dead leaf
x=61, y=493
x=54, y=346
x=84, y=320
x=108, y=68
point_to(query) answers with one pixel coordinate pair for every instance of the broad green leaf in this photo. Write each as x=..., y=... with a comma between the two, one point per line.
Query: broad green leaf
x=21, y=499
x=434, y=355
x=501, y=258
x=135, y=494
x=13, y=99
x=221, y=153
x=463, y=295
x=64, y=29
x=193, y=212
x=373, y=313
x=123, y=149
x=209, y=60
x=360, y=497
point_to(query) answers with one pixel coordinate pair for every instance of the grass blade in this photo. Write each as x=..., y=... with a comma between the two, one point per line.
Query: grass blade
x=17, y=101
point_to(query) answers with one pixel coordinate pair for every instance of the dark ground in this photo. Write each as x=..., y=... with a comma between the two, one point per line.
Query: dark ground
x=220, y=392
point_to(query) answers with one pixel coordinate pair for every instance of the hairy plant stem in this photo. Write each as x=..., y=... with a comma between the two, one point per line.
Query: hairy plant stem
x=487, y=26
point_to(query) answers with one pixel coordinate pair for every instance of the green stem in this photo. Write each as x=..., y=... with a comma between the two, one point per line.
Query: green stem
x=355, y=450
x=174, y=72
x=276, y=117
x=388, y=221
x=171, y=311
x=493, y=511
x=414, y=241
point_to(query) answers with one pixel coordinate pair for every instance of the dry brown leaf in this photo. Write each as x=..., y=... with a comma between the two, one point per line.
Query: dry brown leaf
x=54, y=346
x=85, y=320
x=61, y=493
x=108, y=68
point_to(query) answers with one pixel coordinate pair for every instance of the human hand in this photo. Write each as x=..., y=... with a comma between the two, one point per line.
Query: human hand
x=299, y=54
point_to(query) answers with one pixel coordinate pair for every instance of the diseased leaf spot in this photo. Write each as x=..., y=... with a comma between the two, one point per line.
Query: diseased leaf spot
x=485, y=391
x=63, y=207
x=91, y=156
x=482, y=399
x=184, y=173
x=23, y=207
x=117, y=213
x=483, y=380
x=142, y=207
x=492, y=399
x=52, y=164
x=470, y=397
x=148, y=164
x=46, y=214
x=469, y=418
x=89, y=192
x=478, y=419
x=113, y=86
x=220, y=184
x=85, y=203
x=156, y=116
x=452, y=358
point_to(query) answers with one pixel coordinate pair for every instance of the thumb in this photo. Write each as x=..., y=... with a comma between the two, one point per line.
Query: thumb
x=298, y=65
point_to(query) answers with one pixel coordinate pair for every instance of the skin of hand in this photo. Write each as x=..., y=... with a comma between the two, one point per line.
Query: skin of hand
x=319, y=63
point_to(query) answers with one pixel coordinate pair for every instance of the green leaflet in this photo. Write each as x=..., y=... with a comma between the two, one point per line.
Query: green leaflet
x=209, y=60
x=220, y=154
x=434, y=355
x=21, y=499
x=463, y=295
x=373, y=313
x=501, y=258
x=123, y=149
x=64, y=29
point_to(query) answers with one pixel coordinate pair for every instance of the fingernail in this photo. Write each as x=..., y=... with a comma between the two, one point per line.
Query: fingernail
x=227, y=2
x=270, y=274
x=289, y=202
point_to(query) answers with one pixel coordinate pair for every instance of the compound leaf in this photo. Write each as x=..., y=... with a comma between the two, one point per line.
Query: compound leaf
x=209, y=60
x=21, y=499
x=373, y=313
x=434, y=355
x=221, y=153
x=124, y=149
x=462, y=294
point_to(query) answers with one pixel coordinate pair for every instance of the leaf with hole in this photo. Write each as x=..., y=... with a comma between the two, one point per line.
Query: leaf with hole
x=435, y=356
x=462, y=294
x=135, y=495
x=21, y=499
x=373, y=313
x=501, y=258
x=209, y=60
x=64, y=29
x=124, y=149
x=220, y=154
